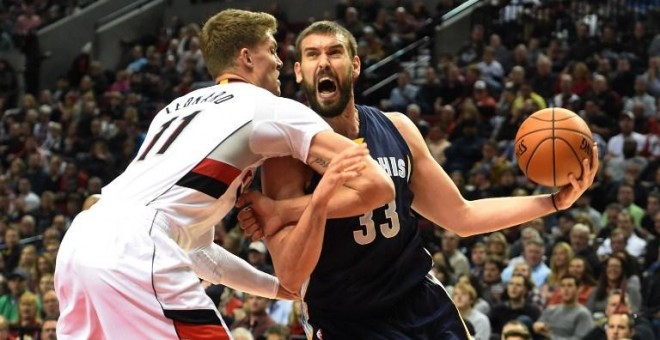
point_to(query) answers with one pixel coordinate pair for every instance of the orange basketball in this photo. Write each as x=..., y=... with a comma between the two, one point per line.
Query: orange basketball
x=552, y=143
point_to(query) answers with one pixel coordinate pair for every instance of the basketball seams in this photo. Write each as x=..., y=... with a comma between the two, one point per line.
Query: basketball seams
x=561, y=128
x=550, y=120
x=570, y=147
x=533, y=151
x=551, y=162
x=554, y=163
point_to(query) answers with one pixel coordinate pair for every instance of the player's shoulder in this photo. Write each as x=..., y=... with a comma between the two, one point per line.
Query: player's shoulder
x=400, y=121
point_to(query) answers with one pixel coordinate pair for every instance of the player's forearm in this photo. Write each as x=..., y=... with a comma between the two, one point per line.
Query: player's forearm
x=491, y=214
x=370, y=191
x=217, y=265
x=295, y=250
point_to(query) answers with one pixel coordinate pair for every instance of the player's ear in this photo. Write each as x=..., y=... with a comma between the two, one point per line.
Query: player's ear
x=245, y=57
x=297, y=70
x=356, y=67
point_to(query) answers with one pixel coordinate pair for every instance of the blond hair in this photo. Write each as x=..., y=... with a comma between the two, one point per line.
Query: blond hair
x=467, y=289
x=226, y=33
x=554, y=277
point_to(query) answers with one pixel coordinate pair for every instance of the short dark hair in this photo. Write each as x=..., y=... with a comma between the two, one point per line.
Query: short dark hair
x=570, y=277
x=529, y=285
x=327, y=27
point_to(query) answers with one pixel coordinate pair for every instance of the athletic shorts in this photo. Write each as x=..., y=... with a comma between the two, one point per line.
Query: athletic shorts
x=120, y=276
x=426, y=312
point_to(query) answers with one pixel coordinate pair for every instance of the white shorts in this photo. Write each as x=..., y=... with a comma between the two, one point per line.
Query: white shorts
x=120, y=276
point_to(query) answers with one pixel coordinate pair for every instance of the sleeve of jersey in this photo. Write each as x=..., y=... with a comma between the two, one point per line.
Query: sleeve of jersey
x=285, y=128
x=217, y=265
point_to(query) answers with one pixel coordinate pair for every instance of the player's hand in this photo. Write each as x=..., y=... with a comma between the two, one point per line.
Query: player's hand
x=343, y=167
x=569, y=193
x=258, y=215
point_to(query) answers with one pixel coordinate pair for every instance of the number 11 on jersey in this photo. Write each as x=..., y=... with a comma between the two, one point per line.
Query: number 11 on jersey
x=186, y=120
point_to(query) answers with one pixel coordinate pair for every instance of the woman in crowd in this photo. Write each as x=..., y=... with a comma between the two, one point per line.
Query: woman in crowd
x=562, y=254
x=614, y=276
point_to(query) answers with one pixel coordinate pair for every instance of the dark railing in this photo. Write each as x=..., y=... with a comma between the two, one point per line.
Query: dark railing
x=422, y=42
x=121, y=12
x=24, y=241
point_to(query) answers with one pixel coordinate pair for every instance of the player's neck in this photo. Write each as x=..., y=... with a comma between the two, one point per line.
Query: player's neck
x=229, y=77
x=348, y=122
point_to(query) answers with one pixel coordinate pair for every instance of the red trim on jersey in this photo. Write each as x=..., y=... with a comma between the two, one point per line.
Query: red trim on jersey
x=202, y=332
x=217, y=170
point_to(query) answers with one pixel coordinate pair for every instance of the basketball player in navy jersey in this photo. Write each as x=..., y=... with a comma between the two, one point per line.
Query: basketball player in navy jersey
x=367, y=277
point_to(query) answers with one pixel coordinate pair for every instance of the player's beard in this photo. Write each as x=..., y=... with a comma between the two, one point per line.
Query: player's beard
x=333, y=109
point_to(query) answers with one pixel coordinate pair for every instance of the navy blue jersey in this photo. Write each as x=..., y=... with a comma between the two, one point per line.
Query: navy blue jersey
x=369, y=262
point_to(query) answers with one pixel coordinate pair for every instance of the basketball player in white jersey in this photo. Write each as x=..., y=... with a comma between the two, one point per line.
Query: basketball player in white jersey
x=129, y=267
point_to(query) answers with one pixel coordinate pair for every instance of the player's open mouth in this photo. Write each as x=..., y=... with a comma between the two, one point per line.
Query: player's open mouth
x=326, y=87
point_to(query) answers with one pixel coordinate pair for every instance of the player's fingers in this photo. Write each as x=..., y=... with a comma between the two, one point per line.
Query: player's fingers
x=258, y=235
x=594, y=158
x=246, y=217
x=346, y=176
x=245, y=199
x=352, y=162
x=252, y=229
x=574, y=182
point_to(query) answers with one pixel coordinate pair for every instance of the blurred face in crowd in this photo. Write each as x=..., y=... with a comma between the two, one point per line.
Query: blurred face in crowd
x=618, y=243
x=625, y=222
x=614, y=269
x=568, y=290
x=523, y=269
x=491, y=273
x=4, y=328
x=576, y=268
x=514, y=328
x=478, y=255
x=652, y=205
x=613, y=302
x=516, y=288
x=533, y=254
x=449, y=242
x=11, y=237
x=48, y=330
x=560, y=257
x=51, y=303
x=257, y=304
x=27, y=308
x=579, y=240
x=326, y=72
x=461, y=298
x=618, y=327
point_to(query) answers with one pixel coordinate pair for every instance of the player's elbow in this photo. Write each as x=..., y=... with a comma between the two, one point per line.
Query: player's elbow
x=461, y=223
x=383, y=191
x=291, y=281
x=380, y=189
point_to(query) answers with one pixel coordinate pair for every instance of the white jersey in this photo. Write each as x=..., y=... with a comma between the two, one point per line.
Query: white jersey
x=203, y=147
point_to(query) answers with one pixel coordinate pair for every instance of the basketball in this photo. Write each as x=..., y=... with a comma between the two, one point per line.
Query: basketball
x=552, y=143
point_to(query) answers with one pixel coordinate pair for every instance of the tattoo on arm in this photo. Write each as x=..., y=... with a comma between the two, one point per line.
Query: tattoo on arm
x=322, y=162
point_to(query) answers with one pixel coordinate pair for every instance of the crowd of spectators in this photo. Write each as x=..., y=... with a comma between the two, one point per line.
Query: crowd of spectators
x=594, y=264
